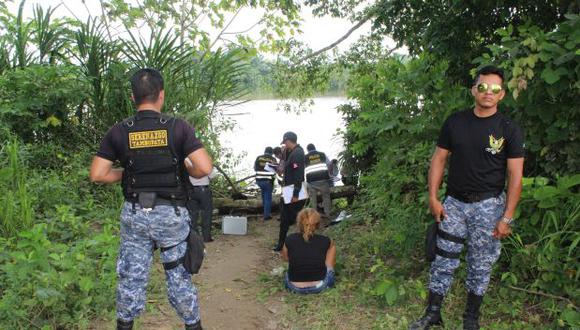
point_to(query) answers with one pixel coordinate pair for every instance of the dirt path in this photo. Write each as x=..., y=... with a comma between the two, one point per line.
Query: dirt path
x=228, y=285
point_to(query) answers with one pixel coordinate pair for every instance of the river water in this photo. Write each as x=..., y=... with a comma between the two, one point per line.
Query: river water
x=259, y=124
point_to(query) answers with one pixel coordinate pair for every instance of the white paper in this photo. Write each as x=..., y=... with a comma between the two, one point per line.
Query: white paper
x=270, y=168
x=288, y=191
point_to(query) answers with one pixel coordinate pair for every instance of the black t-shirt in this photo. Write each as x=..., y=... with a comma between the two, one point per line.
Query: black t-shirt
x=113, y=144
x=307, y=259
x=479, y=150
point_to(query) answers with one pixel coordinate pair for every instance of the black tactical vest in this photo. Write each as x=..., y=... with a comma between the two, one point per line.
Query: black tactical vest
x=315, y=167
x=151, y=163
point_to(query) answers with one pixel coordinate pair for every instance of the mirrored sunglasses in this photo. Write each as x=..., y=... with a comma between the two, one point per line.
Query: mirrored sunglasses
x=484, y=87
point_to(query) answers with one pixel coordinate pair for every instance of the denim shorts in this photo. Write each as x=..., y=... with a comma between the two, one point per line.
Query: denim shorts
x=327, y=282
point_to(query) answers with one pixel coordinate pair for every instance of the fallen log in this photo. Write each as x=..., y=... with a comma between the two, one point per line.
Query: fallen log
x=254, y=205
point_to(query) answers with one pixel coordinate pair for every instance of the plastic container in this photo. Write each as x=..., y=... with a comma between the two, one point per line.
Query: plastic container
x=234, y=225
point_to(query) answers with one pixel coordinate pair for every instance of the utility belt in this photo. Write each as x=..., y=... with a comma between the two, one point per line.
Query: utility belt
x=473, y=197
x=148, y=200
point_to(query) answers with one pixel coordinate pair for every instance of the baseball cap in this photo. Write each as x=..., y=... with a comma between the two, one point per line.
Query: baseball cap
x=289, y=136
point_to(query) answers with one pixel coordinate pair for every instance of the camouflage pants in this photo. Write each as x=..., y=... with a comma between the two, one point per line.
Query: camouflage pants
x=476, y=222
x=139, y=232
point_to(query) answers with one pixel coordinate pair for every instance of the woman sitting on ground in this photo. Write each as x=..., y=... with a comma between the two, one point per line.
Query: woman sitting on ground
x=311, y=256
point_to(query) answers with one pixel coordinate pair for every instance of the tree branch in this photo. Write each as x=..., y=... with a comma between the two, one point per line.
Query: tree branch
x=225, y=28
x=544, y=295
x=246, y=30
x=337, y=42
x=232, y=184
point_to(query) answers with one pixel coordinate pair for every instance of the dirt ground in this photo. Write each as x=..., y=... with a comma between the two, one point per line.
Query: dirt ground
x=228, y=285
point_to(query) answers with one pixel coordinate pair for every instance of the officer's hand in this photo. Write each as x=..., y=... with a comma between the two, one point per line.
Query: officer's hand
x=294, y=199
x=437, y=210
x=502, y=230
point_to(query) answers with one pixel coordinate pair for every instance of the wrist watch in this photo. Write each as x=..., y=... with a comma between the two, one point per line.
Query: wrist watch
x=507, y=221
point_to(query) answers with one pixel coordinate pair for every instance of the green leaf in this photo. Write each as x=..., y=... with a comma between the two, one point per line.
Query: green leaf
x=550, y=76
x=573, y=246
x=545, y=193
x=568, y=182
x=392, y=294
x=382, y=288
x=571, y=317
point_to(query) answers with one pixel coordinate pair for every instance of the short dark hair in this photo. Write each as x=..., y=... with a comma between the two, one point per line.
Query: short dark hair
x=310, y=147
x=488, y=69
x=146, y=84
x=277, y=151
x=268, y=150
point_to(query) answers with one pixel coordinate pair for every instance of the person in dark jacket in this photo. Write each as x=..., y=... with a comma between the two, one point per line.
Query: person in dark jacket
x=265, y=168
x=293, y=175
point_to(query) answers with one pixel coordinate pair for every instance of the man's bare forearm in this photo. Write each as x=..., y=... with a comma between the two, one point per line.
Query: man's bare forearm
x=435, y=176
x=114, y=175
x=514, y=191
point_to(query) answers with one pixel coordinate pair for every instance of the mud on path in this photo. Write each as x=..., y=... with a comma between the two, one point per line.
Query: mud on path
x=228, y=285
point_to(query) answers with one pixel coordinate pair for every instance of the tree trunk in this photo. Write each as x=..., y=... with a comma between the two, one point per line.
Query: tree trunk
x=254, y=205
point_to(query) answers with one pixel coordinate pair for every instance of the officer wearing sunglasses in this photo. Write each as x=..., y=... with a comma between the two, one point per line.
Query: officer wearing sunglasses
x=483, y=146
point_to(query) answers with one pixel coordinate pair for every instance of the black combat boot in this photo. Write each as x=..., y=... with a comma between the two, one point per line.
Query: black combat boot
x=471, y=315
x=195, y=326
x=124, y=325
x=432, y=314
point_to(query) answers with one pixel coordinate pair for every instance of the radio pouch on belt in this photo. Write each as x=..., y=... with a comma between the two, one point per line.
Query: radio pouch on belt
x=147, y=199
x=431, y=242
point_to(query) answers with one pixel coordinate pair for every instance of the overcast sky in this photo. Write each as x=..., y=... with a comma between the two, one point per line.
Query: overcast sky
x=317, y=32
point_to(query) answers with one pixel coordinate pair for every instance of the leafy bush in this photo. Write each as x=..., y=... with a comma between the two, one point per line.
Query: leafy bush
x=59, y=285
x=544, y=81
x=37, y=101
x=59, y=245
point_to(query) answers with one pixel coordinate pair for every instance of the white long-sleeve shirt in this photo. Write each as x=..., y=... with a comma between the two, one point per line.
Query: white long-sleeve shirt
x=203, y=181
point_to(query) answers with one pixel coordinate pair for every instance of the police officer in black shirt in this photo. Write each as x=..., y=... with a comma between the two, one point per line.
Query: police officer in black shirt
x=151, y=149
x=293, y=175
x=483, y=146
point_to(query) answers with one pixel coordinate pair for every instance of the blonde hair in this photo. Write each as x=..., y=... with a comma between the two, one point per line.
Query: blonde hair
x=308, y=222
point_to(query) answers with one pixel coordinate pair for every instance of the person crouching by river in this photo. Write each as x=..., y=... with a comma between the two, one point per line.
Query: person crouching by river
x=311, y=257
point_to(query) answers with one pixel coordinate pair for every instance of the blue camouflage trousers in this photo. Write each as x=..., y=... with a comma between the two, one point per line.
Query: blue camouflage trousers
x=475, y=222
x=139, y=232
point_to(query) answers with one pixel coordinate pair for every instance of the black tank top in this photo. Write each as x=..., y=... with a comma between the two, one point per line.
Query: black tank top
x=307, y=259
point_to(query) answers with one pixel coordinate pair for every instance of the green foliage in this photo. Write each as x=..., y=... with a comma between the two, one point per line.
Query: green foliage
x=36, y=102
x=55, y=271
x=15, y=207
x=543, y=77
x=543, y=252
x=458, y=31
x=46, y=283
